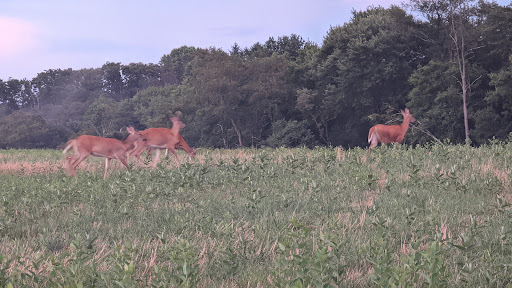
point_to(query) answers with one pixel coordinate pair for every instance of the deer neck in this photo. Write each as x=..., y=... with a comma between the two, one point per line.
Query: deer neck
x=404, y=127
x=129, y=142
x=175, y=129
x=186, y=147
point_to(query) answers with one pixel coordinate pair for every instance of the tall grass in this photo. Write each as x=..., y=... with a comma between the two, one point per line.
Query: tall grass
x=431, y=215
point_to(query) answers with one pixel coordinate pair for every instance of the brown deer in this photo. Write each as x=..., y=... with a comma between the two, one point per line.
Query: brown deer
x=163, y=138
x=110, y=148
x=390, y=133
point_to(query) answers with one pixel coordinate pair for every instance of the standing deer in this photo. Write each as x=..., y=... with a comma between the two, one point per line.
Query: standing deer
x=163, y=138
x=110, y=148
x=390, y=133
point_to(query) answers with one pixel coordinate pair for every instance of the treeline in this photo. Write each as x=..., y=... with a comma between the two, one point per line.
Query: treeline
x=449, y=62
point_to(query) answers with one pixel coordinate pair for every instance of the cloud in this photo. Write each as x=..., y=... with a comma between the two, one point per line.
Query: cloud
x=18, y=37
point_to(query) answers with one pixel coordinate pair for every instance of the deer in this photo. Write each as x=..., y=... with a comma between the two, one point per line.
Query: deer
x=390, y=133
x=182, y=144
x=163, y=138
x=109, y=148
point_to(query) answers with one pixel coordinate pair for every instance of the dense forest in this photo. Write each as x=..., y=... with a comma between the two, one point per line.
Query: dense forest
x=449, y=62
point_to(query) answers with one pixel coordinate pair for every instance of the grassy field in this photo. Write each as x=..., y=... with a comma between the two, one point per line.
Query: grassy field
x=435, y=216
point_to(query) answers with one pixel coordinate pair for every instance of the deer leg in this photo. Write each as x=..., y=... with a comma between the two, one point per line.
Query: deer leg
x=374, y=143
x=123, y=160
x=73, y=162
x=150, y=156
x=173, y=151
x=107, y=160
x=137, y=151
x=79, y=160
x=157, y=158
x=68, y=167
x=73, y=159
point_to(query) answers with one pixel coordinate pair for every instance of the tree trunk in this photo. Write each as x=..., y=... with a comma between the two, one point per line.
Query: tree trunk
x=237, y=133
x=464, y=101
x=461, y=60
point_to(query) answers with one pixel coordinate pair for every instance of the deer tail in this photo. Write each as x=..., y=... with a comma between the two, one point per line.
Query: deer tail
x=371, y=134
x=70, y=144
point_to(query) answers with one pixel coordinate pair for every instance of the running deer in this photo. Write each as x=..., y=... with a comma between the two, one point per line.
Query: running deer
x=110, y=148
x=182, y=144
x=390, y=133
x=163, y=138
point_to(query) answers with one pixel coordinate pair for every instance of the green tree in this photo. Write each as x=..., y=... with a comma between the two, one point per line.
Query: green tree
x=86, y=85
x=103, y=117
x=139, y=76
x=154, y=106
x=16, y=94
x=258, y=50
x=176, y=64
x=284, y=45
x=112, y=80
x=494, y=37
x=213, y=88
x=466, y=33
x=24, y=131
x=290, y=134
x=496, y=119
x=461, y=13
x=269, y=96
x=8, y=91
x=235, y=100
x=362, y=69
x=435, y=97
x=436, y=103
x=79, y=90
x=51, y=86
x=302, y=70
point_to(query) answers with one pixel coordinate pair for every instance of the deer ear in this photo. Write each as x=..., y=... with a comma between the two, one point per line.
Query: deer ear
x=407, y=110
x=130, y=130
x=175, y=119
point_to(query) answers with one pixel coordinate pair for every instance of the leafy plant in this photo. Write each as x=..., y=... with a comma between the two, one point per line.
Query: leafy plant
x=307, y=261
x=186, y=259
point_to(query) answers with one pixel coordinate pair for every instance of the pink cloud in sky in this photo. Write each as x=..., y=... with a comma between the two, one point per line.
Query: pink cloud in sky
x=18, y=36
x=52, y=34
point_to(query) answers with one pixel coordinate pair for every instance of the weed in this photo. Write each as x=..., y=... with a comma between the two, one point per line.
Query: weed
x=433, y=215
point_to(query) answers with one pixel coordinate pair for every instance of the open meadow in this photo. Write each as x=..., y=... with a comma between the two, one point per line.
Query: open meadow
x=435, y=215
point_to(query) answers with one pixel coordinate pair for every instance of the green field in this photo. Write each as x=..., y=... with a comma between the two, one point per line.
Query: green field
x=436, y=215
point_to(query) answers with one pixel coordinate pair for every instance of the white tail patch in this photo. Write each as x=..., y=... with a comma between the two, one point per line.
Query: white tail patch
x=71, y=144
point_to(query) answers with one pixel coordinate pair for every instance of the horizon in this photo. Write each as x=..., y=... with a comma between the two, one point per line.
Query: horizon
x=59, y=34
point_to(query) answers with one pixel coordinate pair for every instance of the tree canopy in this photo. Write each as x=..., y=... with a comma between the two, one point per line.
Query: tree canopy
x=449, y=62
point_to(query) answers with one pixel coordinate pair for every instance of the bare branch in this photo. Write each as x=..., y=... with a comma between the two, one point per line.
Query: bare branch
x=419, y=127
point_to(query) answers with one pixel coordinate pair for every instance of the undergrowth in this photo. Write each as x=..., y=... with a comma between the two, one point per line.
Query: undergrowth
x=428, y=216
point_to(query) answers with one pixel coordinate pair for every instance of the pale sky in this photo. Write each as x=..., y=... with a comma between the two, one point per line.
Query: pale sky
x=38, y=35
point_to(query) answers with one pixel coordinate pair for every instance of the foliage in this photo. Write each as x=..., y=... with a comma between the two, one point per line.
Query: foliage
x=362, y=73
x=436, y=98
x=301, y=264
x=154, y=106
x=22, y=130
x=104, y=117
x=424, y=266
x=495, y=120
x=362, y=69
x=290, y=134
x=434, y=215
